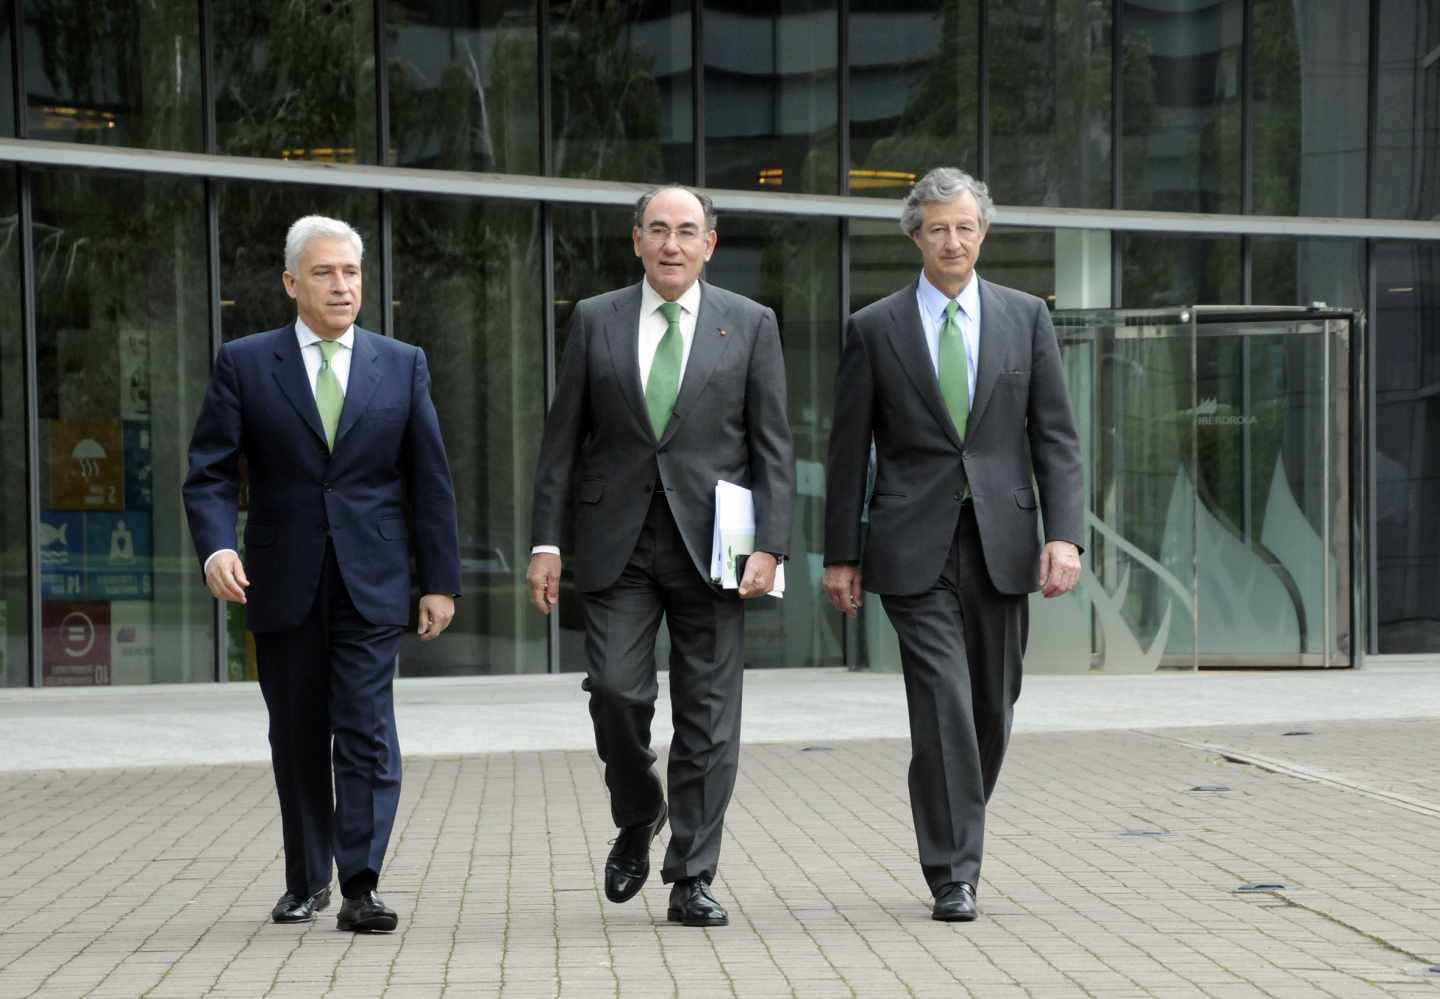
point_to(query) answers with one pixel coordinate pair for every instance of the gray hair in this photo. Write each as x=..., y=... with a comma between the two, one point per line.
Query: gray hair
x=940, y=186
x=706, y=205
x=317, y=227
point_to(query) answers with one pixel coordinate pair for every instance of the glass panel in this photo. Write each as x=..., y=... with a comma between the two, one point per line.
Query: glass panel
x=1406, y=182
x=1304, y=271
x=295, y=80
x=792, y=265
x=1260, y=432
x=1158, y=271
x=253, y=221
x=1050, y=116
x=1180, y=77
x=1407, y=446
x=914, y=85
x=462, y=84
x=122, y=73
x=622, y=103
x=123, y=359
x=14, y=513
x=7, y=72
x=467, y=290
x=1131, y=388
x=771, y=95
x=1310, y=86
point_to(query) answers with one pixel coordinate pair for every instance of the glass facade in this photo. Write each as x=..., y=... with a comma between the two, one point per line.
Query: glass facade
x=123, y=284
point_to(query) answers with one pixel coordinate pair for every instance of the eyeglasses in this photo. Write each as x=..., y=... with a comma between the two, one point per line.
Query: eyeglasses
x=659, y=232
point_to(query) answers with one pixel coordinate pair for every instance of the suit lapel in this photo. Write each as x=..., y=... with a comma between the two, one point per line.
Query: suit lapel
x=706, y=351
x=995, y=337
x=622, y=337
x=907, y=338
x=294, y=382
x=364, y=377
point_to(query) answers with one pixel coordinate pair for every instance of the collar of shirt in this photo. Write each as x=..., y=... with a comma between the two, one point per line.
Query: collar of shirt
x=307, y=336
x=933, y=300
x=651, y=300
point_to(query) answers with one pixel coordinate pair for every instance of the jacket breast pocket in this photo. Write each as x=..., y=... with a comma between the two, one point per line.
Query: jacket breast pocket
x=381, y=416
x=259, y=535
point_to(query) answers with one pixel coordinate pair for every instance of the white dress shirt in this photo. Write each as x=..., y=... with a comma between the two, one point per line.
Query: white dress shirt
x=310, y=354
x=652, y=329
x=932, y=302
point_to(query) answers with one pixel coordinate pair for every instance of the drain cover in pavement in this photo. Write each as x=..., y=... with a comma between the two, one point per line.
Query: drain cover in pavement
x=1262, y=886
x=1210, y=787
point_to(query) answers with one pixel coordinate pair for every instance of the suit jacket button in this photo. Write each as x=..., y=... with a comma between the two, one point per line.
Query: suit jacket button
x=957, y=496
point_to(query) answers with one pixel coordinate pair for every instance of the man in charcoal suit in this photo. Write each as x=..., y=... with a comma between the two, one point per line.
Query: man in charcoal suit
x=958, y=384
x=666, y=386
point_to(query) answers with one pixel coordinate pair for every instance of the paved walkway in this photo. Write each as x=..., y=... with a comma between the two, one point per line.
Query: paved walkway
x=1116, y=866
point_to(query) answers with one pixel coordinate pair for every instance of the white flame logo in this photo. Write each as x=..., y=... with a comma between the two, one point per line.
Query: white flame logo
x=89, y=454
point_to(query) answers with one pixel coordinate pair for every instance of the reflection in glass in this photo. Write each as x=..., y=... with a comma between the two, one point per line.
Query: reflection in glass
x=121, y=73
x=253, y=221
x=467, y=290
x=123, y=359
x=1406, y=181
x=462, y=85
x=7, y=73
x=1166, y=270
x=14, y=536
x=295, y=81
x=1309, y=90
x=1180, y=84
x=621, y=94
x=771, y=95
x=1303, y=271
x=1050, y=117
x=792, y=265
x=914, y=85
x=1407, y=446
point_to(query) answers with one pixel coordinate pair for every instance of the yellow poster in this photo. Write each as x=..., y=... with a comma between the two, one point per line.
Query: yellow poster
x=87, y=467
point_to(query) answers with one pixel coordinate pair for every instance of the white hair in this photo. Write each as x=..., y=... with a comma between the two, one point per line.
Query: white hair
x=943, y=185
x=317, y=227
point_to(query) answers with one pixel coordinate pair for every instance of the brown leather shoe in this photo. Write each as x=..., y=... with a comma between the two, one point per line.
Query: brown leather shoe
x=294, y=909
x=628, y=865
x=955, y=903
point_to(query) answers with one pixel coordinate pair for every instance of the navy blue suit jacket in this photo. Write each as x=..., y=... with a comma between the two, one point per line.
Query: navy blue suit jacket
x=383, y=493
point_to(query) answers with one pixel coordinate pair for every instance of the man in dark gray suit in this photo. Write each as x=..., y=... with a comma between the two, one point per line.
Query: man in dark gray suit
x=666, y=387
x=959, y=385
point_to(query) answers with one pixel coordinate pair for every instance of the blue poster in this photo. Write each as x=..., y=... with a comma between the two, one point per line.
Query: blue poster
x=118, y=556
x=62, y=554
x=138, y=493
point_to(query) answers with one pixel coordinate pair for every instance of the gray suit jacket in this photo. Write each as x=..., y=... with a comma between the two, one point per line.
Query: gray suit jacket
x=599, y=458
x=1021, y=434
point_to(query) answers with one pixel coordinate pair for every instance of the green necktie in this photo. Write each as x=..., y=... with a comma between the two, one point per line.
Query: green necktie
x=329, y=399
x=954, y=370
x=664, y=382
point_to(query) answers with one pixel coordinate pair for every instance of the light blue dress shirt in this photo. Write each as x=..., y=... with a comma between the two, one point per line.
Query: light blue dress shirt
x=932, y=304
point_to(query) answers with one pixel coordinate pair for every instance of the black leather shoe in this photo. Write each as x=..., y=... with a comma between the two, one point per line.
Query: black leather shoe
x=366, y=915
x=692, y=903
x=955, y=903
x=628, y=865
x=294, y=909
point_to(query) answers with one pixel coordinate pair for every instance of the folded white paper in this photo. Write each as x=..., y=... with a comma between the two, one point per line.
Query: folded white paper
x=735, y=535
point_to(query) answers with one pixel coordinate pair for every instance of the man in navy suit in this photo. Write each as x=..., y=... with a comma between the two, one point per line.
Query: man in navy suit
x=348, y=479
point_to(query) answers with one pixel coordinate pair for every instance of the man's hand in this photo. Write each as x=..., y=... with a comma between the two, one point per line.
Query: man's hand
x=226, y=578
x=543, y=579
x=1059, y=568
x=437, y=610
x=759, y=576
x=842, y=586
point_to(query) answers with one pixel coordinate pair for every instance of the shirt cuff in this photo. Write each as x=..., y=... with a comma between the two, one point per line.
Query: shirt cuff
x=206, y=567
x=545, y=550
